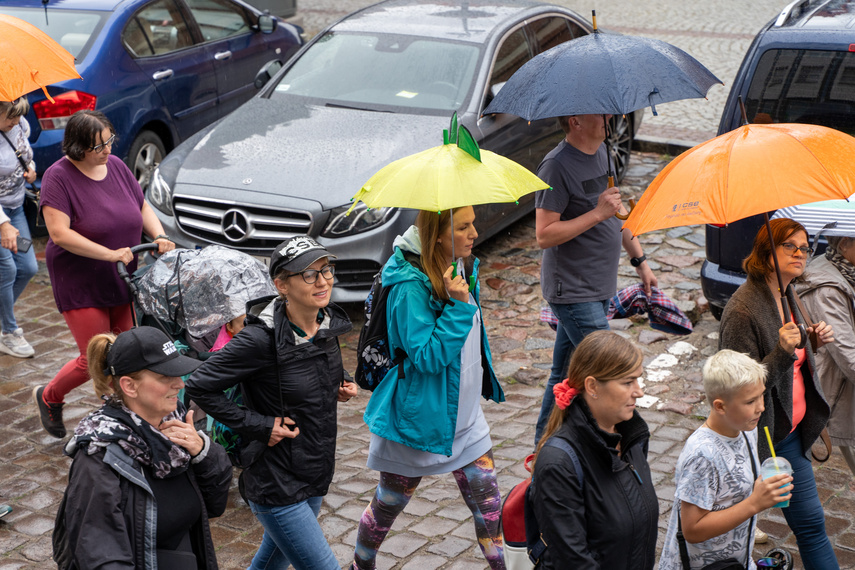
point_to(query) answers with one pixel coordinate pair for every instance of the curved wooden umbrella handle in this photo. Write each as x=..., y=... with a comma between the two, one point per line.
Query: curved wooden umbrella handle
x=631, y=208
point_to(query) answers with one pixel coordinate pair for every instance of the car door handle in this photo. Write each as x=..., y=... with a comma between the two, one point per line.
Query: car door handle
x=162, y=74
x=220, y=56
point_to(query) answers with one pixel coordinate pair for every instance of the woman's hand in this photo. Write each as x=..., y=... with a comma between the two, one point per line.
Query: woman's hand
x=9, y=236
x=457, y=288
x=281, y=431
x=30, y=176
x=123, y=254
x=183, y=434
x=164, y=245
x=789, y=337
x=824, y=331
x=346, y=391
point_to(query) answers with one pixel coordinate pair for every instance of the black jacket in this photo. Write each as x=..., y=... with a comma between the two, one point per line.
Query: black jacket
x=612, y=522
x=281, y=376
x=111, y=514
x=750, y=324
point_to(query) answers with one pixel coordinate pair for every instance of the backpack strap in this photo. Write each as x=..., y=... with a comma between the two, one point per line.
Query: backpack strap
x=536, y=552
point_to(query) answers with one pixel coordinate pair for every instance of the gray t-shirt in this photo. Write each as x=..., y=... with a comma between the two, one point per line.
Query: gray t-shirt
x=585, y=268
x=713, y=472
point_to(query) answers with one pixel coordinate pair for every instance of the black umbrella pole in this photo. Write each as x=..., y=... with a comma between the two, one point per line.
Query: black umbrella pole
x=784, y=303
x=608, y=154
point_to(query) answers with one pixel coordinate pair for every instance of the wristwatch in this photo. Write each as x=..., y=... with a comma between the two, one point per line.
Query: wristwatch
x=636, y=261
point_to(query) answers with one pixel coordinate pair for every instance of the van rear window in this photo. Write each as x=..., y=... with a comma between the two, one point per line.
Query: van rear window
x=804, y=86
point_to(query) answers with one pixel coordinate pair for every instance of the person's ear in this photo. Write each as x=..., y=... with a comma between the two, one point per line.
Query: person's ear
x=128, y=386
x=719, y=406
x=591, y=387
x=280, y=286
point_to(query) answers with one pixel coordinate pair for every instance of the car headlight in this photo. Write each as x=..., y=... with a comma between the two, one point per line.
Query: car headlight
x=160, y=192
x=361, y=219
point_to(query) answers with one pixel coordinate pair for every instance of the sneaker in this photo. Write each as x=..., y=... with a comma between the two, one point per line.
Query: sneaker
x=5, y=510
x=51, y=414
x=760, y=537
x=15, y=344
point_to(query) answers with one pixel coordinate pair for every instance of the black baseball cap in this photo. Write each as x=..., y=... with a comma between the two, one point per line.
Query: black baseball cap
x=147, y=348
x=296, y=254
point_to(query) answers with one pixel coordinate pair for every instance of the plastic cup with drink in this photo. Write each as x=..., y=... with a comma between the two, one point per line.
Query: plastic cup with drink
x=775, y=466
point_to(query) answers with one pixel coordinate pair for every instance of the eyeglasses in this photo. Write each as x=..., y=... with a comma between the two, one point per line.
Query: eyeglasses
x=790, y=249
x=311, y=275
x=100, y=147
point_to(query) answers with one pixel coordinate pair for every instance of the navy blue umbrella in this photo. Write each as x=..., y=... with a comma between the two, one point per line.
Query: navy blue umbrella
x=599, y=74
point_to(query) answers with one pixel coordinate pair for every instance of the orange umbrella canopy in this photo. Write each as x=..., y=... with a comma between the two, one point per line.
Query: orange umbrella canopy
x=748, y=171
x=30, y=59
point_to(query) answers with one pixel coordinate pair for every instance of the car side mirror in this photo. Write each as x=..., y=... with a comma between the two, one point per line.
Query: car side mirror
x=266, y=23
x=264, y=75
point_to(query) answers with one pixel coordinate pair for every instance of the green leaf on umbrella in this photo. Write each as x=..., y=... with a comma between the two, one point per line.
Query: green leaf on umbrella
x=466, y=142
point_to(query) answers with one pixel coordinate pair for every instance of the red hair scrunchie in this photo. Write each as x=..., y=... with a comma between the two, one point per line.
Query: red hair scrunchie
x=564, y=394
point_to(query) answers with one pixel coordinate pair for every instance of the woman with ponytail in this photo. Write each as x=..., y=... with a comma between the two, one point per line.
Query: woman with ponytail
x=607, y=515
x=143, y=481
x=428, y=419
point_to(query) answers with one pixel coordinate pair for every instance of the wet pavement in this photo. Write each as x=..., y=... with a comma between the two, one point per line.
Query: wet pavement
x=436, y=529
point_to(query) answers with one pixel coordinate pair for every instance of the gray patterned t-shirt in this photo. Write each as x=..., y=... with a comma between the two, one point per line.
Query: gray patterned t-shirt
x=714, y=473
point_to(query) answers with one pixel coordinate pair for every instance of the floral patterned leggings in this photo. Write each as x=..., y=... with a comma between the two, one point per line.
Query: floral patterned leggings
x=477, y=483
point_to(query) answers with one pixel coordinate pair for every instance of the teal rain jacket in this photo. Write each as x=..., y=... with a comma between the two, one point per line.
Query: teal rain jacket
x=420, y=410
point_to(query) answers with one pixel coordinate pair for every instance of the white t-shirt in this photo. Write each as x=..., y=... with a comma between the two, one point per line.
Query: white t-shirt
x=714, y=473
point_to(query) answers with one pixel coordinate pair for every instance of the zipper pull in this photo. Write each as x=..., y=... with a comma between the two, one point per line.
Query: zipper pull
x=634, y=472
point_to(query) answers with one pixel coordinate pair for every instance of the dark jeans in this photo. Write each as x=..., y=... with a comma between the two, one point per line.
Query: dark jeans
x=575, y=322
x=805, y=515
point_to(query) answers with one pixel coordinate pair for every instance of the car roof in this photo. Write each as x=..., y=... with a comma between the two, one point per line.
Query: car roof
x=95, y=5
x=463, y=20
x=822, y=15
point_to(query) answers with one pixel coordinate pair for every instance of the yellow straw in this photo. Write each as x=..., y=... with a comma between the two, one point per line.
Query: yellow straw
x=769, y=439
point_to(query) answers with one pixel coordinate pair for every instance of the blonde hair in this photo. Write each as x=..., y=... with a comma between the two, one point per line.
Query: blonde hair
x=602, y=354
x=12, y=109
x=434, y=264
x=96, y=358
x=727, y=372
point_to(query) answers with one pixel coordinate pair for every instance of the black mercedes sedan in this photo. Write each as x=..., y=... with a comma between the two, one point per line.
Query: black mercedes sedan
x=378, y=85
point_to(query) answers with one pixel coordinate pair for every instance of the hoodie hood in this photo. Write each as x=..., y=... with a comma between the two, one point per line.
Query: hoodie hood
x=821, y=273
x=398, y=269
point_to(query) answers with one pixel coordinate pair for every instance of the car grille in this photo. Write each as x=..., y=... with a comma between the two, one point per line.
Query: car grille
x=238, y=225
x=355, y=273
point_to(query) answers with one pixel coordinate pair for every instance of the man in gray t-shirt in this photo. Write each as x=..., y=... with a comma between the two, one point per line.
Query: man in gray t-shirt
x=581, y=237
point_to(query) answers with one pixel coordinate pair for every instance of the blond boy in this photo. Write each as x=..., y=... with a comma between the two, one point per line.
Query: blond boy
x=717, y=494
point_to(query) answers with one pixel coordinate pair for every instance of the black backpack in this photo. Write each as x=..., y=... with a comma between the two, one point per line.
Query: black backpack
x=374, y=358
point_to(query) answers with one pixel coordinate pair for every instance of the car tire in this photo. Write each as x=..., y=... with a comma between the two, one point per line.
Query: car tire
x=620, y=144
x=145, y=154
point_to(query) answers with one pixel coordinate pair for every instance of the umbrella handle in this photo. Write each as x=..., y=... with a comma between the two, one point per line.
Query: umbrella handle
x=631, y=208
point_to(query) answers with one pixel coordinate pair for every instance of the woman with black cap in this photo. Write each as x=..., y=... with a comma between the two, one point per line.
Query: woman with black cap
x=287, y=361
x=143, y=481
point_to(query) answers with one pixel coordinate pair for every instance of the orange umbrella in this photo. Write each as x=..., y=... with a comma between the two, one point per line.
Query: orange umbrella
x=30, y=59
x=748, y=171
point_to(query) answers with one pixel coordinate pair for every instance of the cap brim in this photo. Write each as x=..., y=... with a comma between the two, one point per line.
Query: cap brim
x=310, y=259
x=176, y=366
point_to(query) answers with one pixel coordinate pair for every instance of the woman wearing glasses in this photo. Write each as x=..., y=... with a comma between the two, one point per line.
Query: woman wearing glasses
x=287, y=361
x=796, y=409
x=94, y=212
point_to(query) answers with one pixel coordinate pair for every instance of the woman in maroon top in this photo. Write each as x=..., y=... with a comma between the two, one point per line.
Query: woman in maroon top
x=94, y=211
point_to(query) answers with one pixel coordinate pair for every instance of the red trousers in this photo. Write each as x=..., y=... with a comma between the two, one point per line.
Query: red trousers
x=84, y=324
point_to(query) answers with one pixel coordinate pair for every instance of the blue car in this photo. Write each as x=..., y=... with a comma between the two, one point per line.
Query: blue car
x=159, y=69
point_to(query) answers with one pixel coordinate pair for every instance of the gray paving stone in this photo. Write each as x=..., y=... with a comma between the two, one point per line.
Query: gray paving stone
x=424, y=562
x=403, y=544
x=449, y=547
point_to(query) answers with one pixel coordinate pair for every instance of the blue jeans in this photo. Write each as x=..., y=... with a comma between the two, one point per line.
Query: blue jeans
x=805, y=515
x=16, y=270
x=292, y=535
x=575, y=322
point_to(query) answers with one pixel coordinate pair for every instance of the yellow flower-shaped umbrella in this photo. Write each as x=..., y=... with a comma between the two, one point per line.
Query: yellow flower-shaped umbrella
x=452, y=175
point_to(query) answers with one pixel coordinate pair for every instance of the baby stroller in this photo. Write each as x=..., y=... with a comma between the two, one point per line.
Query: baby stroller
x=190, y=293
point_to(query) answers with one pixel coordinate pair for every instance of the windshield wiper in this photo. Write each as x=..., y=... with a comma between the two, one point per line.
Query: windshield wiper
x=355, y=108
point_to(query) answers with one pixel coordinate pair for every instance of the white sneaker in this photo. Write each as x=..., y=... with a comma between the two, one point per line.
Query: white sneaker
x=15, y=344
x=760, y=537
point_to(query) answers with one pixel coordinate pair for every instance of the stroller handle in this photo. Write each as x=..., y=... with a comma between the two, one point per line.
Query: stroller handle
x=123, y=269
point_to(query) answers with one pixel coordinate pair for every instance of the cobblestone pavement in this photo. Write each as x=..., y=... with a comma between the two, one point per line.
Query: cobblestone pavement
x=436, y=530
x=717, y=33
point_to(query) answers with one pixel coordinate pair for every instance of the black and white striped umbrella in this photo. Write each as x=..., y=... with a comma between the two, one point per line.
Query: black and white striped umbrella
x=829, y=218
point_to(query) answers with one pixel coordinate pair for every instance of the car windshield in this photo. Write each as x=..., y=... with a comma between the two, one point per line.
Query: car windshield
x=383, y=71
x=804, y=86
x=72, y=29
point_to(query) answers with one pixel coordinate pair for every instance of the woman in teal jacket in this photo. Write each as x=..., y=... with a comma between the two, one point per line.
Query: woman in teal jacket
x=430, y=421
